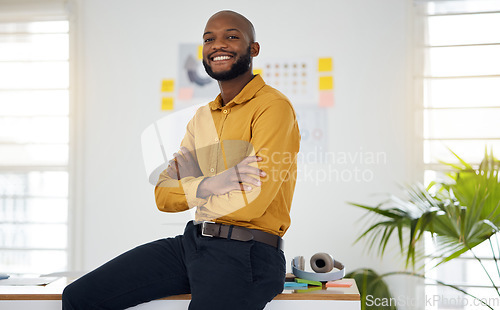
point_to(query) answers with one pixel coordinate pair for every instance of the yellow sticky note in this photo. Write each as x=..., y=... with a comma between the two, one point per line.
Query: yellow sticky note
x=200, y=52
x=167, y=103
x=325, y=64
x=325, y=82
x=167, y=86
x=257, y=71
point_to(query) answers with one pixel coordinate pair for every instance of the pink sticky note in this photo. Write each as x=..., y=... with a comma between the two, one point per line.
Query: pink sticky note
x=185, y=93
x=326, y=98
x=338, y=283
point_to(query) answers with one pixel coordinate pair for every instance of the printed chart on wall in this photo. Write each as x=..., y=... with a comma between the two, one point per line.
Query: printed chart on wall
x=296, y=78
x=313, y=127
x=308, y=83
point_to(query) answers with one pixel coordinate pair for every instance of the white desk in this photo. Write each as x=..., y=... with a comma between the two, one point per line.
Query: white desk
x=49, y=298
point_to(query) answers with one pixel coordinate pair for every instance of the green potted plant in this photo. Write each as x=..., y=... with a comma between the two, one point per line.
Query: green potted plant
x=459, y=214
x=372, y=287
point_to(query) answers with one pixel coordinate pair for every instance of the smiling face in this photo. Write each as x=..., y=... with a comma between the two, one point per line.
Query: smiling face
x=228, y=46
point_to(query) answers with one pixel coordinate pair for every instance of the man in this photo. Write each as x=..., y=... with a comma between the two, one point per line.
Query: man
x=237, y=166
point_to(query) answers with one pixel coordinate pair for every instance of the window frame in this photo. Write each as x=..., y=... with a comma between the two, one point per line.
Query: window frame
x=54, y=10
x=421, y=66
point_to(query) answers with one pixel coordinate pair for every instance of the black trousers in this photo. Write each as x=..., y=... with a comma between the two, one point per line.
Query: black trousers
x=219, y=273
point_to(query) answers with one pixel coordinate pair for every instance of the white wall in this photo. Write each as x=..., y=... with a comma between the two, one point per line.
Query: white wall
x=126, y=47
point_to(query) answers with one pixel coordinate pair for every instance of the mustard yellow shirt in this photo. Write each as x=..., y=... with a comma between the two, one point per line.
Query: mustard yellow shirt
x=258, y=121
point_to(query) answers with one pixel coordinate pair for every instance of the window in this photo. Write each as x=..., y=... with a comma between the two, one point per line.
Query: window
x=461, y=111
x=34, y=142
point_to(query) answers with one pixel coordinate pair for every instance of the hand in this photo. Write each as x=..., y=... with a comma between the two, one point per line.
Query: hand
x=183, y=165
x=232, y=179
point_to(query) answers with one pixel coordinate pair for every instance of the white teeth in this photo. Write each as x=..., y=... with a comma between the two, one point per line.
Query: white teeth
x=218, y=58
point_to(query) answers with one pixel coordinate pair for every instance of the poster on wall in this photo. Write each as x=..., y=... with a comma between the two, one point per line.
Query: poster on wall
x=193, y=82
x=308, y=83
x=313, y=128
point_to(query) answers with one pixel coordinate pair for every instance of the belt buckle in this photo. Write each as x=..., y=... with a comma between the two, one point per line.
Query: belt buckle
x=203, y=225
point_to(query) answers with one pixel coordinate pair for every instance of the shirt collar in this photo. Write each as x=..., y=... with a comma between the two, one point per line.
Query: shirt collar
x=247, y=93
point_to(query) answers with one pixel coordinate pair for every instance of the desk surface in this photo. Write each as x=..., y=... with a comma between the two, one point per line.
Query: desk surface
x=54, y=290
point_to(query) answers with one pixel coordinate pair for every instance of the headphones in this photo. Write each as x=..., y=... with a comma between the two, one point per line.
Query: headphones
x=322, y=264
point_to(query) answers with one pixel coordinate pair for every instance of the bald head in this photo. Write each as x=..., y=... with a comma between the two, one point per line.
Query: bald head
x=244, y=24
x=229, y=46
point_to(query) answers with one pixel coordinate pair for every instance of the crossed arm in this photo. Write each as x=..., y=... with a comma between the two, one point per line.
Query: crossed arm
x=236, y=178
x=244, y=191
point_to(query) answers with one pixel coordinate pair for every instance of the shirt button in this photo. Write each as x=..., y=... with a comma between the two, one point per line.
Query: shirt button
x=224, y=111
x=212, y=169
x=216, y=139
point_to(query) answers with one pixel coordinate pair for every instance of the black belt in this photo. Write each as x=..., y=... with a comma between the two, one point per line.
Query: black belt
x=211, y=229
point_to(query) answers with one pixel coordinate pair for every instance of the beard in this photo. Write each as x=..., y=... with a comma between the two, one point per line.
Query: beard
x=240, y=67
